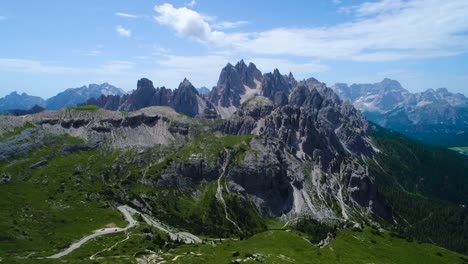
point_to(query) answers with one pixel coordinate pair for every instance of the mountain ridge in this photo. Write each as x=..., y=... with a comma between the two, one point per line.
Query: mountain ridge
x=433, y=116
x=66, y=98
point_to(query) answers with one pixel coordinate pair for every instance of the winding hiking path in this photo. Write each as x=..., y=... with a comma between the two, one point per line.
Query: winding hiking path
x=219, y=190
x=105, y=231
x=188, y=238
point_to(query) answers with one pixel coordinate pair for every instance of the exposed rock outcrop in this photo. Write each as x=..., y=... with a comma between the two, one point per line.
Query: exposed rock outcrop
x=236, y=84
x=185, y=99
x=276, y=87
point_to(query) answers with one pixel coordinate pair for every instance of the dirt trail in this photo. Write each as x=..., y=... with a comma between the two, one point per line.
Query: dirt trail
x=219, y=190
x=105, y=231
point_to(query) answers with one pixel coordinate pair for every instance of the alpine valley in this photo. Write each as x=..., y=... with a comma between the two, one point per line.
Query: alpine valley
x=261, y=168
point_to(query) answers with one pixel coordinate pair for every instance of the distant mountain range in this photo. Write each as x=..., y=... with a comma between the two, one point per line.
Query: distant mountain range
x=434, y=116
x=20, y=101
x=203, y=90
x=70, y=97
x=75, y=96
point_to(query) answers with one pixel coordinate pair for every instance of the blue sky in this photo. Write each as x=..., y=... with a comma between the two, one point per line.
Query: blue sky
x=50, y=45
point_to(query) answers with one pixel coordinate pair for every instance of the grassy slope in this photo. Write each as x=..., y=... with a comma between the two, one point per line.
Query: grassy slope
x=70, y=196
x=274, y=246
x=46, y=208
x=16, y=131
x=349, y=247
x=84, y=108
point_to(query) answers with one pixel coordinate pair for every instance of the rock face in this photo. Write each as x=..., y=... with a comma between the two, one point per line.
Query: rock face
x=276, y=87
x=76, y=96
x=318, y=146
x=24, y=142
x=185, y=99
x=435, y=116
x=20, y=101
x=143, y=128
x=235, y=85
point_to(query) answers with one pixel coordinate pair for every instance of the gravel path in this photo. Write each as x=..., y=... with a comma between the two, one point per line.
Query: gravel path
x=131, y=223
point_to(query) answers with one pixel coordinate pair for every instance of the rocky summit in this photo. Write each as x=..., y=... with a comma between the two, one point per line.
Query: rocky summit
x=185, y=99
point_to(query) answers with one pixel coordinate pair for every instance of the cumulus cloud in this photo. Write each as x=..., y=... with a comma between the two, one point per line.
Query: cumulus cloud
x=125, y=15
x=123, y=31
x=189, y=23
x=191, y=3
x=184, y=21
x=381, y=31
x=229, y=24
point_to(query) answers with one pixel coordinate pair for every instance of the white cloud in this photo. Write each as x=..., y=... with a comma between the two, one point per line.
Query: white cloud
x=381, y=31
x=188, y=23
x=126, y=15
x=123, y=31
x=35, y=66
x=158, y=50
x=384, y=6
x=191, y=3
x=229, y=24
x=184, y=21
x=32, y=66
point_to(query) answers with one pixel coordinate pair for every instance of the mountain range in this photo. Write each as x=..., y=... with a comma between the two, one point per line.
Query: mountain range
x=433, y=116
x=261, y=155
x=69, y=97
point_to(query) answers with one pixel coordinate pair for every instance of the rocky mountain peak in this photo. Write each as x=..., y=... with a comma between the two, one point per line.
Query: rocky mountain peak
x=383, y=96
x=226, y=95
x=443, y=91
x=186, y=84
x=18, y=101
x=241, y=65
x=276, y=87
x=144, y=84
x=389, y=84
